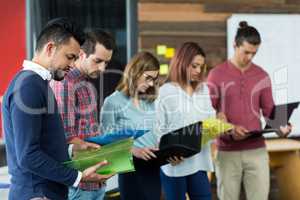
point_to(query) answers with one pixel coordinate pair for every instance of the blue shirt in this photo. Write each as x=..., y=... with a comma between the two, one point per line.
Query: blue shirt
x=118, y=112
x=35, y=141
x=176, y=109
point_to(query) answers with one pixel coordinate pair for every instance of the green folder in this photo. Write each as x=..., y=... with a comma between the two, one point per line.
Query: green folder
x=117, y=154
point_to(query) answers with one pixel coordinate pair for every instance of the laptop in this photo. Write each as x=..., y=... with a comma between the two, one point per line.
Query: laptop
x=280, y=116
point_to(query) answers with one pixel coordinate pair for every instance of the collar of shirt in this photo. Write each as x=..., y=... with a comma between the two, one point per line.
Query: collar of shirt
x=40, y=70
x=233, y=69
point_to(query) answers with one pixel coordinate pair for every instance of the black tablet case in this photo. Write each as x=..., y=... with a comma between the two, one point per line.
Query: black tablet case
x=183, y=142
x=280, y=116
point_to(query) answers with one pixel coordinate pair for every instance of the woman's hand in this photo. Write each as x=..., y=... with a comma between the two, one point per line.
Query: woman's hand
x=144, y=153
x=175, y=160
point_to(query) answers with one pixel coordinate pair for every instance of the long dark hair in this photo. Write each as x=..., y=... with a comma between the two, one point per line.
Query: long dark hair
x=181, y=61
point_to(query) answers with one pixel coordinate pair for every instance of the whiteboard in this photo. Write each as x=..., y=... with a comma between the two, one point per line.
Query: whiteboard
x=279, y=54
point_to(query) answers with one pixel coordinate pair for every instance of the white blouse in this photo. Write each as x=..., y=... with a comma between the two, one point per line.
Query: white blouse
x=176, y=109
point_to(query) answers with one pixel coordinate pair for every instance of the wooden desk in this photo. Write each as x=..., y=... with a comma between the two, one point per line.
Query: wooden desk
x=285, y=160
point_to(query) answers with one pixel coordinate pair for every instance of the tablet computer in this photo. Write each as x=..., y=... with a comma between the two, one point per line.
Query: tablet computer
x=280, y=116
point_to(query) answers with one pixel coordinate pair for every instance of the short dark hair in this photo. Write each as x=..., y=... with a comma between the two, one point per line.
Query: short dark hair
x=94, y=36
x=247, y=33
x=181, y=61
x=59, y=30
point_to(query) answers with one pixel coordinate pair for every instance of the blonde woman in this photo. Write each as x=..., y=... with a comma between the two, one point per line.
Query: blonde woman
x=132, y=106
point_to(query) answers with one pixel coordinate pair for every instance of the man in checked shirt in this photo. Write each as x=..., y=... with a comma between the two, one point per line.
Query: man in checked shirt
x=77, y=101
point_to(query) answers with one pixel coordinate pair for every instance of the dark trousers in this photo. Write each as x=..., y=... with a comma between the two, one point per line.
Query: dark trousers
x=143, y=184
x=196, y=185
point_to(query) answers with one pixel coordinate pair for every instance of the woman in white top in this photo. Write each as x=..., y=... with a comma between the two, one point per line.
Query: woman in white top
x=183, y=100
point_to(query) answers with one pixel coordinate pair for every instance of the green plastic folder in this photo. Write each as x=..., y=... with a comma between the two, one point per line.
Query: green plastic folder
x=117, y=154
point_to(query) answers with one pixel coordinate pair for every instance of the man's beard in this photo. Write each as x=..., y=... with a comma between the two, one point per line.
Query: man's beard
x=94, y=75
x=58, y=74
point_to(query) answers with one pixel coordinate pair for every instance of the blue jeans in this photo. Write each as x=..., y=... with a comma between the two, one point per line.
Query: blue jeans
x=196, y=185
x=79, y=194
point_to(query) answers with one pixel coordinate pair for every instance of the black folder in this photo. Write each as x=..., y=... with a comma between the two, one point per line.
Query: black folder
x=183, y=142
x=280, y=116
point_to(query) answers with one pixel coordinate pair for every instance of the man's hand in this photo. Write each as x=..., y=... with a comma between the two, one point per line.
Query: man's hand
x=80, y=145
x=239, y=133
x=85, y=146
x=222, y=116
x=285, y=130
x=90, y=175
x=144, y=153
x=175, y=160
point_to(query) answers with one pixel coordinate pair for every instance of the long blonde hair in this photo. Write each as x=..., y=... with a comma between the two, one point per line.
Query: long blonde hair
x=141, y=62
